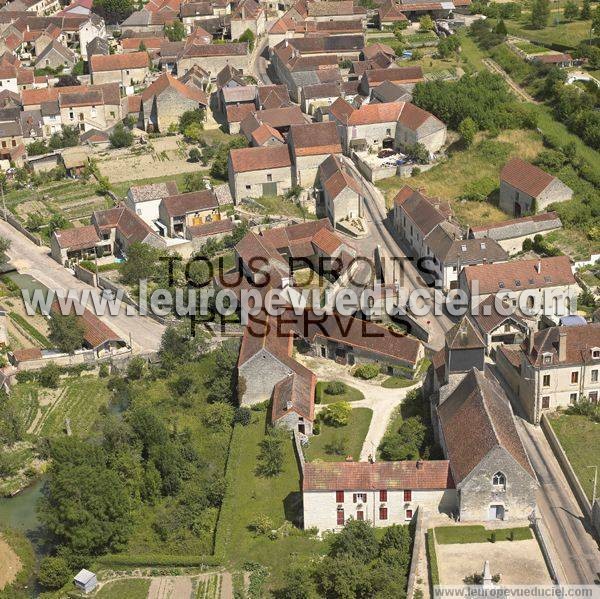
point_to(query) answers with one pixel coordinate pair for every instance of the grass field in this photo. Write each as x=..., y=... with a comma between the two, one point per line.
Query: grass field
x=580, y=438
x=398, y=382
x=80, y=401
x=353, y=435
x=278, y=205
x=249, y=495
x=350, y=394
x=448, y=535
x=119, y=589
x=464, y=169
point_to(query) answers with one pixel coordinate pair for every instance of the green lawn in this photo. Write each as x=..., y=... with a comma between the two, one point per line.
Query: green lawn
x=120, y=189
x=270, y=205
x=119, y=589
x=580, y=438
x=353, y=434
x=448, y=535
x=350, y=394
x=249, y=495
x=477, y=166
x=398, y=382
x=80, y=400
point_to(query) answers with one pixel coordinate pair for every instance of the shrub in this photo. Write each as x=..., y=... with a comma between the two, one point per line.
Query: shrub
x=54, y=572
x=335, y=388
x=337, y=446
x=103, y=371
x=337, y=414
x=242, y=415
x=366, y=371
x=49, y=376
x=261, y=524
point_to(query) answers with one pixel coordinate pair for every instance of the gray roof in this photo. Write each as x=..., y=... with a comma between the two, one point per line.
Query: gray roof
x=518, y=227
x=98, y=46
x=84, y=576
x=152, y=191
x=65, y=54
x=391, y=92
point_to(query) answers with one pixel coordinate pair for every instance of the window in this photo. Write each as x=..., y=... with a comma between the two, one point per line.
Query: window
x=359, y=498
x=547, y=358
x=507, y=328
x=574, y=377
x=340, y=517
x=595, y=376
x=546, y=380
x=407, y=495
x=383, y=495
x=573, y=398
x=482, y=245
x=339, y=496
x=408, y=514
x=269, y=177
x=593, y=396
x=248, y=187
x=596, y=353
x=388, y=132
x=545, y=402
x=499, y=480
x=360, y=515
x=383, y=513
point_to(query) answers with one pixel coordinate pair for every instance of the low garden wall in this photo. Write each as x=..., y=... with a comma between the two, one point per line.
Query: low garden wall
x=418, y=541
x=14, y=222
x=83, y=274
x=548, y=551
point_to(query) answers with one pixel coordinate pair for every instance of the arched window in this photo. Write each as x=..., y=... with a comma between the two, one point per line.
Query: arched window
x=499, y=480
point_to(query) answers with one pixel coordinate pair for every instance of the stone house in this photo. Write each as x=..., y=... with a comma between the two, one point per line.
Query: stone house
x=281, y=119
x=248, y=15
x=329, y=10
x=125, y=69
x=165, y=100
x=490, y=467
x=178, y=212
x=553, y=368
x=259, y=171
x=372, y=78
x=525, y=188
x=54, y=56
x=341, y=193
x=213, y=57
x=389, y=125
x=310, y=145
x=78, y=243
x=382, y=493
x=144, y=200
x=511, y=234
x=543, y=286
x=390, y=13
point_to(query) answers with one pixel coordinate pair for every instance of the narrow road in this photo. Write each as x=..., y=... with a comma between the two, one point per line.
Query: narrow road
x=35, y=261
x=259, y=64
x=409, y=277
x=494, y=67
x=569, y=529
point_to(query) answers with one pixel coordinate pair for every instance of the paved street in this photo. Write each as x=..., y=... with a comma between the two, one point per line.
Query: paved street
x=35, y=261
x=569, y=530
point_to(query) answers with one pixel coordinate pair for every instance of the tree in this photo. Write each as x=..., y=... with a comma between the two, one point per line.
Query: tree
x=247, y=36
x=37, y=147
x=121, y=137
x=49, y=376
x=12, y=427
x=571, y=10
x=67, y=80
x=34, y=222
x=406, y=443
x=586, y=11
x=141, y=263
x=195, y=155
x=66, y=331
x=447, y=46
x=596, y=21
x=500, y=28
x=337, y=414
x=113, y=11
x=193, y=133
x=467, y=130
x=176, y=31
x=136, y=368
x=540, y=11
x=356, y=540
x=54, y=572
x=270, y=457
x=417, y=152
x=426, y=23
x=190, y=117
x=58, y=221
x=4, y=247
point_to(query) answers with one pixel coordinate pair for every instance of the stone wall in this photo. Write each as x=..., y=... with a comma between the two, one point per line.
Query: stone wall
x=261, y=373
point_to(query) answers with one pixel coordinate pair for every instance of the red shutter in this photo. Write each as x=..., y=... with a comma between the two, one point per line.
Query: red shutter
x=383, y=513
x=383, y=495
x=340, y=517
x=339, y=496
x=360, y=515
x=354, y=497
x=409, y=514
x=407, y=495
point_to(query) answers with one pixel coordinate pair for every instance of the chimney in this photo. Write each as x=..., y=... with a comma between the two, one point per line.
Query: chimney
x=419, y=464
x=371, y=459
x=562, y=344
x=530, y=342
x=538, y=267
x=349, y=458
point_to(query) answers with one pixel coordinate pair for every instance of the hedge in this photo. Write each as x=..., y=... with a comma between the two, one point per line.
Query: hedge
x=434, y=577
x=158, y=560
x=31, y=330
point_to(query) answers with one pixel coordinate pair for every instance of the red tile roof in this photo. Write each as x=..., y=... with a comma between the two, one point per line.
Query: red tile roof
x=118, y=62
x=167, y=81
x=525, y=177
x=195, y=201
x=261, y=158
x=77, y=238
x=367, y=476
x=314, y=139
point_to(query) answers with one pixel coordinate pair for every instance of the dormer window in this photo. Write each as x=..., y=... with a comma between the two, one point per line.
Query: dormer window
x=517, y=283
x=482, y=245
x=463, y=248
x=595, y=353
x=501, y=284
x=547, y=358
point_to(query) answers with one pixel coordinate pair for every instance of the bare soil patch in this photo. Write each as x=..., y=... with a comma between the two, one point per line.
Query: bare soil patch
x=11, y=564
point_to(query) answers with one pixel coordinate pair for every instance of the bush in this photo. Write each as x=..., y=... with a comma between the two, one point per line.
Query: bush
x=103, y=371
x=49, y=376
x=54, y=572
x=335, y=388
x=337, y=414
x=261, y=524
x=366, y=371
x=242, y=415
x=121, y=137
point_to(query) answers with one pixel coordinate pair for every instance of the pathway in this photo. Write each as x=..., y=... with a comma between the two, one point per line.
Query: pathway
x=494, y=67
x=383, y=402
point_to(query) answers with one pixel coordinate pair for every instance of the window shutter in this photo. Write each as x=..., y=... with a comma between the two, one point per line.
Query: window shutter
x=383, y=513
x=407, y=495
x=339, y=496
x=383, y=495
